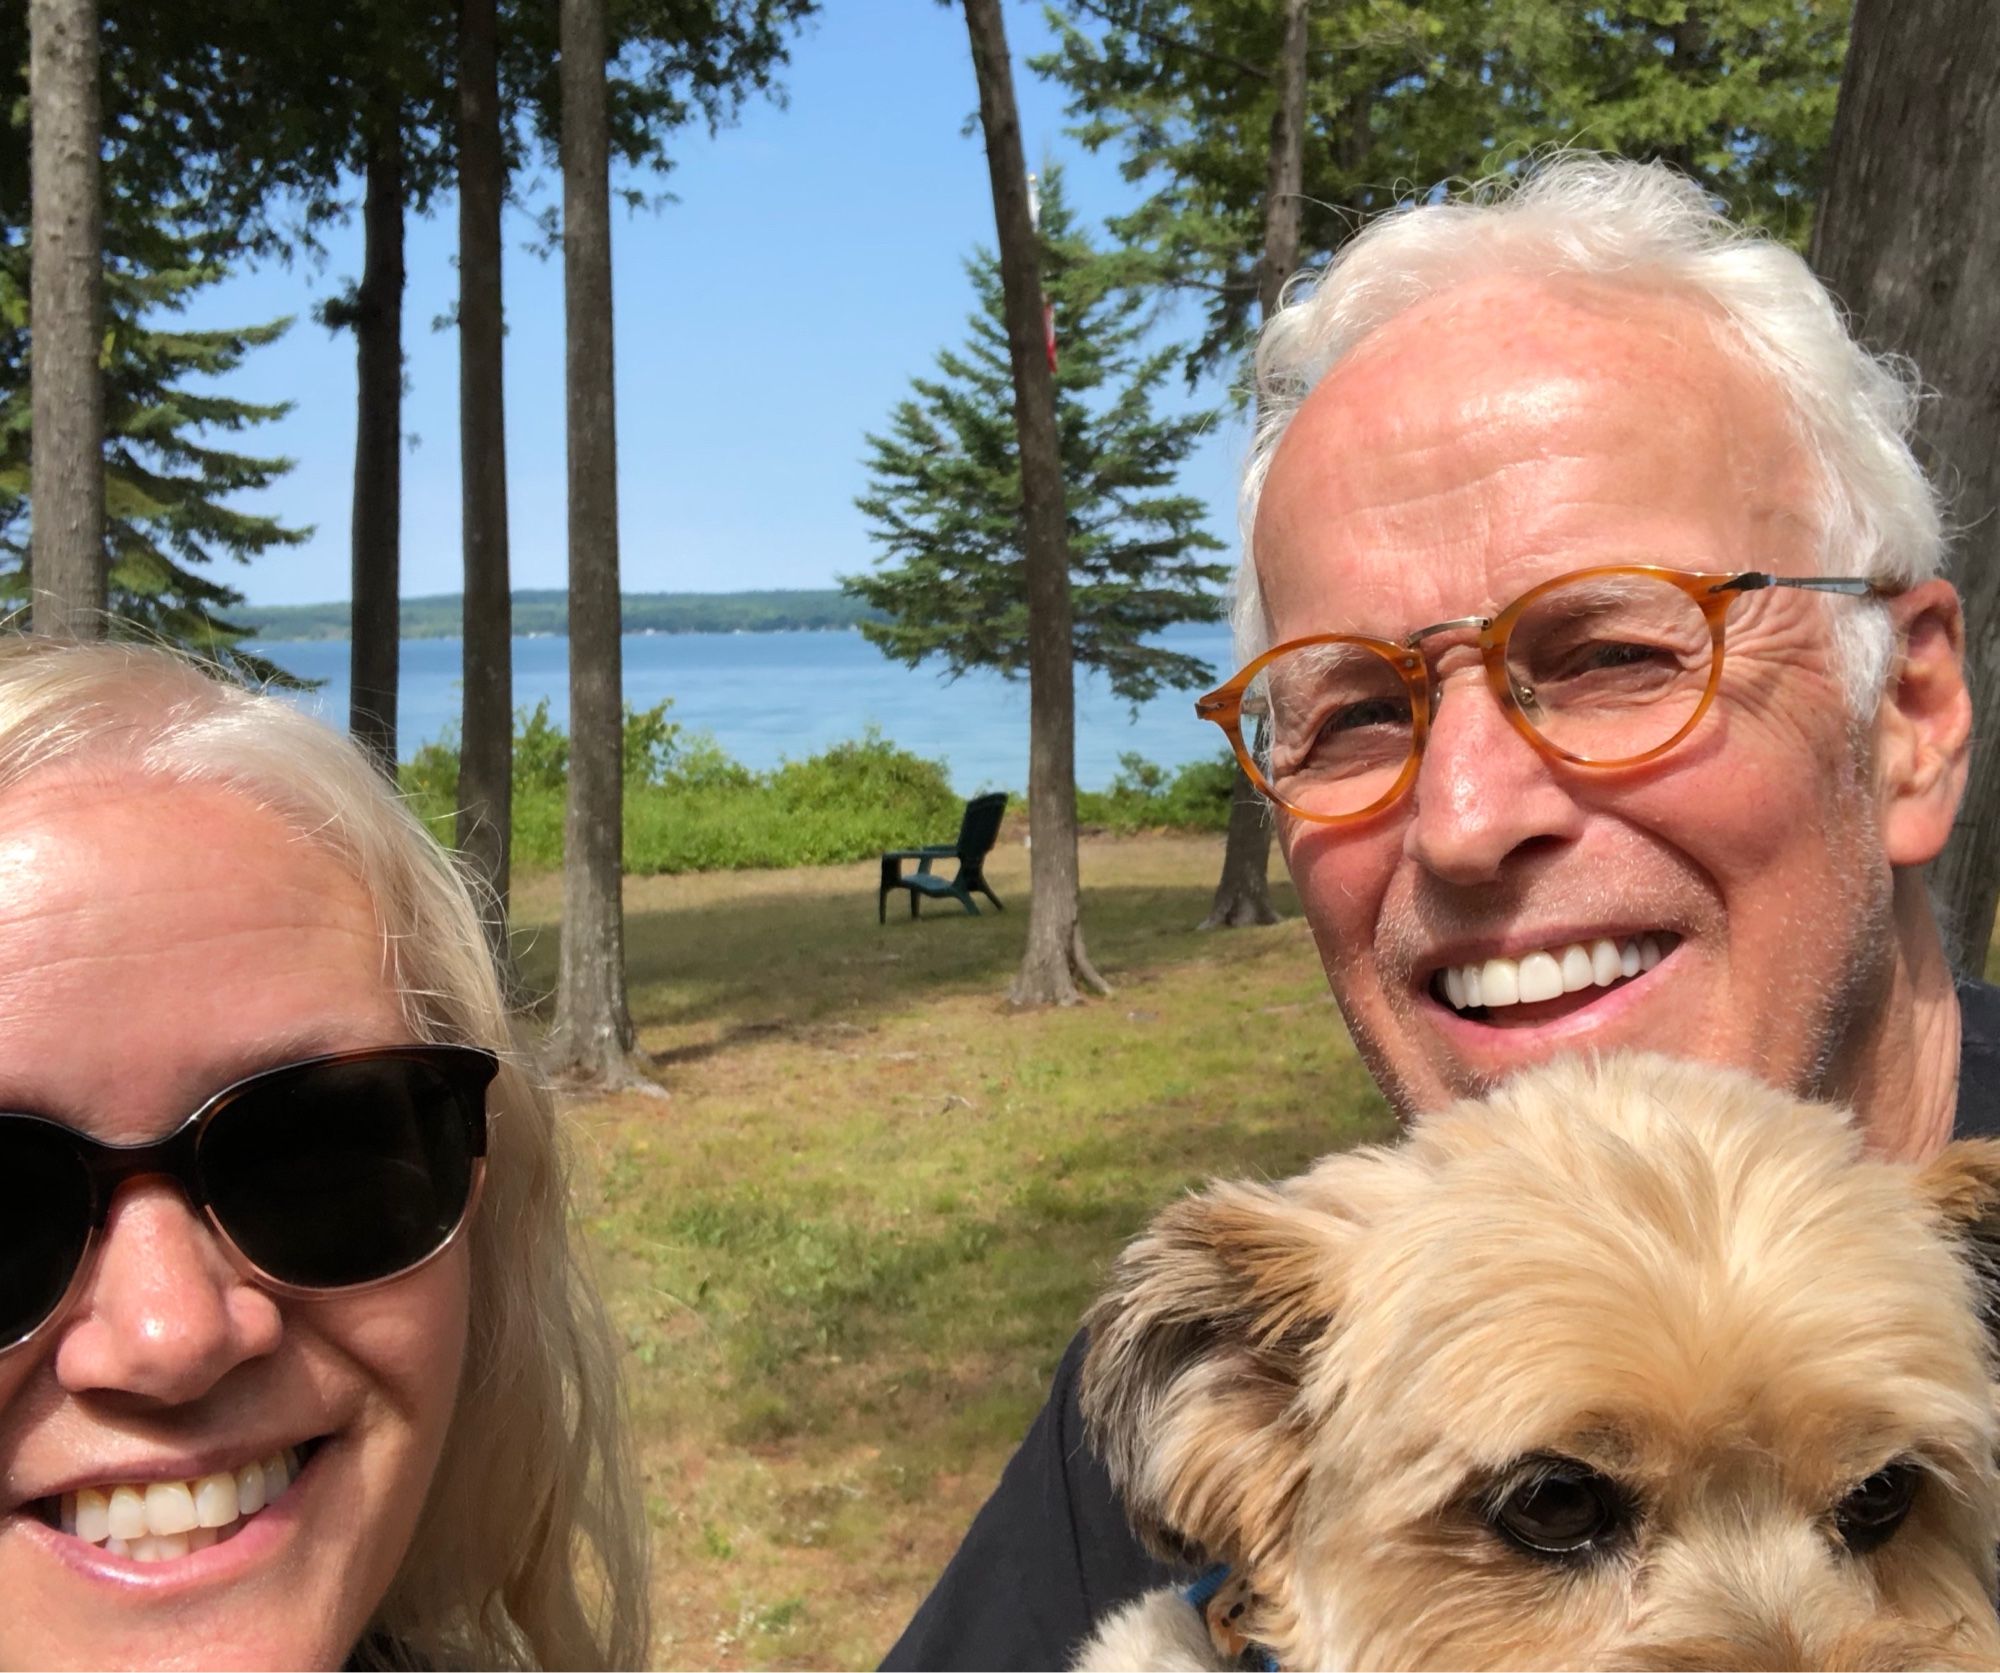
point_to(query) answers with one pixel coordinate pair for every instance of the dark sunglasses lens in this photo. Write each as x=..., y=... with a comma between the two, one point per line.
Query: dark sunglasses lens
x=340, y=1173
x=45, y=1211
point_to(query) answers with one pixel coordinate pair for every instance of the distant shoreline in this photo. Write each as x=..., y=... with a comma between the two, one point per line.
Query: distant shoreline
x=543, y=614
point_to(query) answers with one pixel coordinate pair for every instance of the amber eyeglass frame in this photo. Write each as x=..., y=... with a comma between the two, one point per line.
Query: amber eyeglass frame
x=1711, y=594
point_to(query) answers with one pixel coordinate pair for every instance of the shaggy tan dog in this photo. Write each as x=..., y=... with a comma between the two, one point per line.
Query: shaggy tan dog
x=1635, y=1364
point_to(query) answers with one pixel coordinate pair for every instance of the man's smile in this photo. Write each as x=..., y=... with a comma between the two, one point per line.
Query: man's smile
x=1546, y=982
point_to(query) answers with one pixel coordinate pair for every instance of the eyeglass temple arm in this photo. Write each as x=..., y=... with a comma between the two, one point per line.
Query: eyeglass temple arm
x=1854, y=586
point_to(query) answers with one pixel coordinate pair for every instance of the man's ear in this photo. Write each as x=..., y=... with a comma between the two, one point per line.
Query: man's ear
x=1923, y=728
x=1963, y=1184
x=1197, y=1352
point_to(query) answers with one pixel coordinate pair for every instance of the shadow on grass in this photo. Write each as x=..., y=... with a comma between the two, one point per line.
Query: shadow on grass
x=763, y=964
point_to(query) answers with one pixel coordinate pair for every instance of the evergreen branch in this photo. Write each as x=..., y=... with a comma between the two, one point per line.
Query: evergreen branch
x=1172, y=43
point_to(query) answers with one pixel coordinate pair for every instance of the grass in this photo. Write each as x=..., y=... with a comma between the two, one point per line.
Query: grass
x=846, y=1252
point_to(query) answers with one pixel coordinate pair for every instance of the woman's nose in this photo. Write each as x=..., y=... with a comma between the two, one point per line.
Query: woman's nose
x=165, y=1316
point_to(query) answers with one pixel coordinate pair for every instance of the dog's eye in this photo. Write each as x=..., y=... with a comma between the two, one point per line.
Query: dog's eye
x=1563, y=1509
x=1875, y=1510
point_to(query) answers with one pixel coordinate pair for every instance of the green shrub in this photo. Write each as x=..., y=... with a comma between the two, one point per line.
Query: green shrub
x=690, y=807
x=700, y=763
x=541, y=751
x=1143, y=797
x=848, y=802
x=863, y=773
x=433, y=770
x=650, y=742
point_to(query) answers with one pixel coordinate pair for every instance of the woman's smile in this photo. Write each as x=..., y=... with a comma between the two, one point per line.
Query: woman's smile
x=188, y=1452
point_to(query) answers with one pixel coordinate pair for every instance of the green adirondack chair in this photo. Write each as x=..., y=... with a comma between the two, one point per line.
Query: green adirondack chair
x=976, y=834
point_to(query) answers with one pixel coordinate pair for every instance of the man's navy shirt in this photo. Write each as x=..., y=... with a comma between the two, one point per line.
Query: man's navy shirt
x=1051, y=1553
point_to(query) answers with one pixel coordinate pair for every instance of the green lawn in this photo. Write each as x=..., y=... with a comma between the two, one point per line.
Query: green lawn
x=847, y=1249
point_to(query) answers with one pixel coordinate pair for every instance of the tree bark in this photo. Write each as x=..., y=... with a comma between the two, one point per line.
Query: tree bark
x=1243, y=893
x=1055, y=960
x=594, y=1039
x=1909, y=238
x=378, y=444
x=66, y=555
x=486, y=733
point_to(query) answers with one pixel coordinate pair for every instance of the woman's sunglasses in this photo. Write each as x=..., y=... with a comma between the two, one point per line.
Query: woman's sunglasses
x=319, y=1177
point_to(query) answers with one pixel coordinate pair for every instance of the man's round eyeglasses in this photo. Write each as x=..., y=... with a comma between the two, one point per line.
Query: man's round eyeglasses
x=1604, y=667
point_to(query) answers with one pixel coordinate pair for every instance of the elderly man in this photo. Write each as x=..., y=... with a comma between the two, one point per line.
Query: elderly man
x=1599, y=672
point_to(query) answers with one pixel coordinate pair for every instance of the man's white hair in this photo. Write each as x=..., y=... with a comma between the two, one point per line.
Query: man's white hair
x=1642, y=225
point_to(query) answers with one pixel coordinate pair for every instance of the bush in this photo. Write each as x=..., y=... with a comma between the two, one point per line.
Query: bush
x=1142, y=797
x=690, y=807
x=867, y=772
x=431, y=775
x=848, y=802
x=541, y=751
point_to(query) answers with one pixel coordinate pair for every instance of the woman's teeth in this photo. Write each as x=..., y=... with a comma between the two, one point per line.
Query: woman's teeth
x=1550, y=974
x=152, y=1521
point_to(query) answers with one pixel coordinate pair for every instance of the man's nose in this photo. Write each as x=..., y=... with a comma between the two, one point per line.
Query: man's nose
x=1483, y=791
x=165, y=1316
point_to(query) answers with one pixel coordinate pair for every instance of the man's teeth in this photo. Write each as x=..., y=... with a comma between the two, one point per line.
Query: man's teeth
x=152, y=1521
x=1551, y=973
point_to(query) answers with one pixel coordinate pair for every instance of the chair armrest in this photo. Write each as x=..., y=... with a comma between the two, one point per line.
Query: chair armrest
x=937, y=851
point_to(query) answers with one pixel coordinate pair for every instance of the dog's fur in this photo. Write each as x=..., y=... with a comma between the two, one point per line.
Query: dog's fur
x=1694, y=1285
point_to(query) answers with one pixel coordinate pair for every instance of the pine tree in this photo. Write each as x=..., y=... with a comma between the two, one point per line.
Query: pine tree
x=1401, y=94
x=945, y=499
x=168, y=486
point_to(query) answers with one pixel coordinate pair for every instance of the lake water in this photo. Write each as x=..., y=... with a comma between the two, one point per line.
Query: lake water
x=768, y=696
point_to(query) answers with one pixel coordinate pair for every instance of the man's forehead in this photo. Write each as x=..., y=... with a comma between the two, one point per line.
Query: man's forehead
x=1526, y=321
x=1511, y=423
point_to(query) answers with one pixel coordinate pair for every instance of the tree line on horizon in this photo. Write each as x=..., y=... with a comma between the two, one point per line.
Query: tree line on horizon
x=539, y=610
x=1023, y=497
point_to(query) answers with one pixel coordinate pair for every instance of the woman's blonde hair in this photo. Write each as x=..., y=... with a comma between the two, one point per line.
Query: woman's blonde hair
x=531, y=1548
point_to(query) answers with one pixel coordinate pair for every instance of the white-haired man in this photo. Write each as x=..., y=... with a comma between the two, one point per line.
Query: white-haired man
x=1599, y=670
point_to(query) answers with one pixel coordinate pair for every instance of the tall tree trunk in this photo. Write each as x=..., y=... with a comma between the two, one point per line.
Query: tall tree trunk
x=374, y=645
x=1243, y=893
x=1055, y=959
x=486, y=734
x=594, y=1038
x=66, y=558
x=1909, y=238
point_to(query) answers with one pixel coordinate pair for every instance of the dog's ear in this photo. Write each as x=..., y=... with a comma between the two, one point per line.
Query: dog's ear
x=1197, y=1351
x=1963, y=1184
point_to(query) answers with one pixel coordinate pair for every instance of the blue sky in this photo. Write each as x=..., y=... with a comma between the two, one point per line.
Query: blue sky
x=765, y=320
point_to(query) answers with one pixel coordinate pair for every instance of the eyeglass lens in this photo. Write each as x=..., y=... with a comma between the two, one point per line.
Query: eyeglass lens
x=45, y=1200
x=1607, y=668
x=342, y=1174
x=325, y=1176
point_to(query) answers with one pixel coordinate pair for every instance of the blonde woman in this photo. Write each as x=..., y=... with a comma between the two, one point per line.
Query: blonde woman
x=298, y=1367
